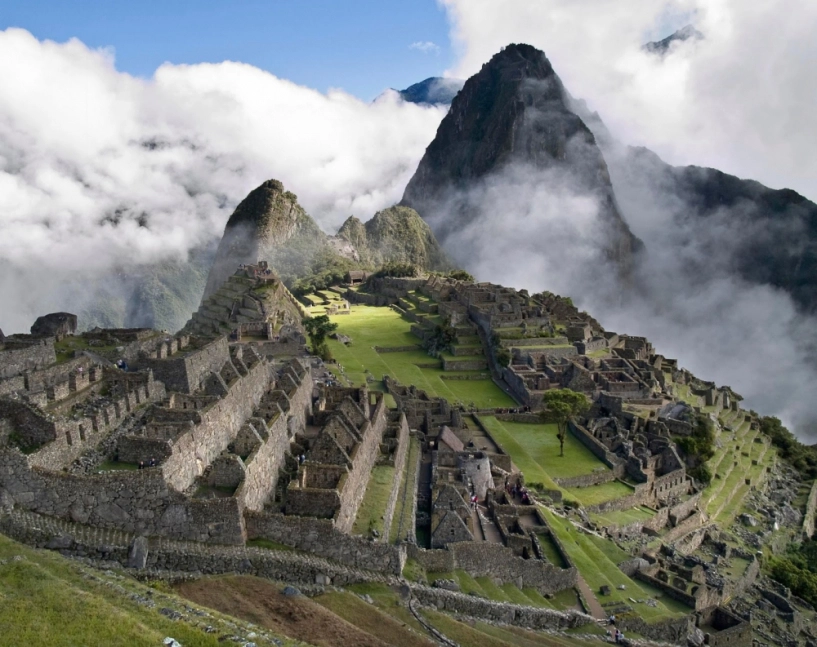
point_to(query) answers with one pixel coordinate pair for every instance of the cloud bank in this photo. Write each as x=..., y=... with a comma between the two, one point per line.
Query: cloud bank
x=101, y=171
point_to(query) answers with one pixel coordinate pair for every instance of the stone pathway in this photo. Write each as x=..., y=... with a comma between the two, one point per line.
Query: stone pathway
x=489, y=530
x=595, y=608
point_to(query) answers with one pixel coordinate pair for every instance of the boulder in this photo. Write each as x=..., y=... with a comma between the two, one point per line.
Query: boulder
x=138, y=556
x=56, y=324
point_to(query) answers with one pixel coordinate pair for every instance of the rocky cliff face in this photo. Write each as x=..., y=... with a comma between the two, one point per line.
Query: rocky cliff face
x=514, y=114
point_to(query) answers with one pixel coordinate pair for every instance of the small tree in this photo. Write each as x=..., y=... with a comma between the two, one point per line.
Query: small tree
x=562, y=405
x=318, y=329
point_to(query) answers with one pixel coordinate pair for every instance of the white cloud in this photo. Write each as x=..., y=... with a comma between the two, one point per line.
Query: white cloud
x=100, y=170
x=425, y=46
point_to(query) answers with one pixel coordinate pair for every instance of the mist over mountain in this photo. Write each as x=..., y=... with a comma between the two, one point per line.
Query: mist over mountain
x=509, y=138
x=114, y=189
x=270, y=224
x=525, y=185
x=663, y=46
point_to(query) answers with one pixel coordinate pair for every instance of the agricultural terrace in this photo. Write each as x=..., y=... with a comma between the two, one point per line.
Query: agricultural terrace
x=597, y=560
x=383, y=327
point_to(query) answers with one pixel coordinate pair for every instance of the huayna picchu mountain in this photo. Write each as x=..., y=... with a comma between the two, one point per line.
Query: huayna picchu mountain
x=513, y=112
x=270, y=224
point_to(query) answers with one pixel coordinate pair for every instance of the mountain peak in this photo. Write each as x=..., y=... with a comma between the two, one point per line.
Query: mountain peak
x=435, y=91
x=267, y=218
x=513, y=115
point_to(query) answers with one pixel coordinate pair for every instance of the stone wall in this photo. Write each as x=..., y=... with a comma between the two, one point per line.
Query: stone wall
x=588, y=440
x=641, y=496
x=672, y=631
x=586, y=480
x=363, y=460
x=728, y=628
x=681, y=511
x=485, y=559
x=132, y=501
x=465, y=365
x=61, y=440
x=14, y=361
x=220, y=422
x=400, y=455
x=498, y=612
x=320, y=537
x=187, y=373
x=265, y=462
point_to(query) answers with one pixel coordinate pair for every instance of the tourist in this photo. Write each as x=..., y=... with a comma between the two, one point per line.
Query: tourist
x=141, y=465
x=153, y=462
x=611, y=620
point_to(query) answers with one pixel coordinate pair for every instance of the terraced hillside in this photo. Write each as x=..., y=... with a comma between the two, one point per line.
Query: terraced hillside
x=383, y=344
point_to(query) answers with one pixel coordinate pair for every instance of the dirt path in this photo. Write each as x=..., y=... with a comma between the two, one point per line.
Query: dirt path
x=595, y=608
x=260, y=601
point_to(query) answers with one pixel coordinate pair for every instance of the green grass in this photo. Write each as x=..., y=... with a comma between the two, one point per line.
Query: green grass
x=48, y=601
x=595, y=494
x=401, y=523
x=270, y=545
x=622, y=517
x=414, y=572
x=598, y=564
x=370, y=326
x=373, y=507
x=391, y=630
x=551, y=551
x=540, y=447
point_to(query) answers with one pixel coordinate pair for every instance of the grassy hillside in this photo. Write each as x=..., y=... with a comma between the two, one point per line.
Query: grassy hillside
x=49, y=601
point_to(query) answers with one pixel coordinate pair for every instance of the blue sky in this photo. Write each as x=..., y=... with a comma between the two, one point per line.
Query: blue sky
x=362, y=46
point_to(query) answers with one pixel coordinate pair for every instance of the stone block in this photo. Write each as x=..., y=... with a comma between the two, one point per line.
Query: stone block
x=138, y=555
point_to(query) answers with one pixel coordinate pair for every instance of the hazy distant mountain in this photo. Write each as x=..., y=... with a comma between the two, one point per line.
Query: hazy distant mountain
x=661, y=47
x=434, y=91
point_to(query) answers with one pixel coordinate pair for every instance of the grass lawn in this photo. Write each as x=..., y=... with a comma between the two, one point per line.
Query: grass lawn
x=599, y=566
x=370, y=326
x=48, y=601
x=601, y=493
x=541, y=446
x=401, y=523
x=623, y=517
x=373, y=507
x=370, y=619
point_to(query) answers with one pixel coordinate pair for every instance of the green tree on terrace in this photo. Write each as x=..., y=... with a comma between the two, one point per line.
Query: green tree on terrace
x=560, y=406
x=318, y=329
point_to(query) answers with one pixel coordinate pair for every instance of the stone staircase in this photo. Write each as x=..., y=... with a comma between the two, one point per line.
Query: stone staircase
x=229, y=305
